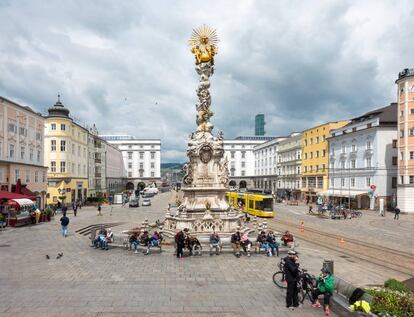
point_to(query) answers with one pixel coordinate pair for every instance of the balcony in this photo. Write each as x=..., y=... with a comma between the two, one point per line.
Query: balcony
x=98, y=161
x=98, y=175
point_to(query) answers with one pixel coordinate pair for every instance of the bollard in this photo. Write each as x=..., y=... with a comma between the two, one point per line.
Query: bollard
x=329, y=264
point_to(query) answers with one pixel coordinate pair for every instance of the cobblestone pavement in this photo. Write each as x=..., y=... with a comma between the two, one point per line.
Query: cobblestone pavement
x=371, y=228
x=109, y=283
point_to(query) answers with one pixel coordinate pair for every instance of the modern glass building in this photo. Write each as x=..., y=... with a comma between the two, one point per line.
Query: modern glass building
x=259, y=125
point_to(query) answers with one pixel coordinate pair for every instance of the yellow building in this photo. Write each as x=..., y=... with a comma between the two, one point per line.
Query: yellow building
x=315, y=159
x=66, y=155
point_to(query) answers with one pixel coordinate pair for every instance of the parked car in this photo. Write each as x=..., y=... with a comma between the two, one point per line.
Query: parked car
x=146, y=202
x=148, y=195
x=133, y=203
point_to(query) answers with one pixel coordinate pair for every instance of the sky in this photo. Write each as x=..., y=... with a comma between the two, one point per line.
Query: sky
x=126, y=65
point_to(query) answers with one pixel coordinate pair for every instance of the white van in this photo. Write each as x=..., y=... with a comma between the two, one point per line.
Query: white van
x=151, y=190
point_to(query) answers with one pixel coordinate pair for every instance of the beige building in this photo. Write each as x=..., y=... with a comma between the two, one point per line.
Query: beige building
x=21, y=150
x=405, y=189
x=66, y=154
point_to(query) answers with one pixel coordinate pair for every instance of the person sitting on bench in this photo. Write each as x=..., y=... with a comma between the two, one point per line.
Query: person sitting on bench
x=134, y=241
x=215, y=243
x=245, y=243
x=325, y=284
x=287, y=239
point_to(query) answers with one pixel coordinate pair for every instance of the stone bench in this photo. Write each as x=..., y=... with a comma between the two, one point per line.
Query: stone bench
x=340, y=298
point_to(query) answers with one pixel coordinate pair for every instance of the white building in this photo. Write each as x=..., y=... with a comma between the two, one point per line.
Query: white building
x=265, y=164
x=142, y=159
x=96, y=164
x=115, y=169
x=240, y=155
x=363, y=159
x=289, y=164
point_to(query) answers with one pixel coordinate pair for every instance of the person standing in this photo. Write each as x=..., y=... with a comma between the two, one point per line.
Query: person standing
x=99, y=210
x=75, y=209
x=397, y=213
x=64, y=222
x=291, y=269
x=235, y=243
x=64, y=209
x=180, y=242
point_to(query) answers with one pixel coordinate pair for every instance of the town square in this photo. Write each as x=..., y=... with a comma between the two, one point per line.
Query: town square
x=206, y=159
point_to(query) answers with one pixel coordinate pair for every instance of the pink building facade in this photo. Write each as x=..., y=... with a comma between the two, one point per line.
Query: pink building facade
x=21, y=150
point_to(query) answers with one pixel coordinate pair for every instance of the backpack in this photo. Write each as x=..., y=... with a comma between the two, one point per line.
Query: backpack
x=356, y=295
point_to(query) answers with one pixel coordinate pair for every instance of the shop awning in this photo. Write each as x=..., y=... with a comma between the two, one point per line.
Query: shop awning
x=9, y=195
x=23, y=202
x=342, y=193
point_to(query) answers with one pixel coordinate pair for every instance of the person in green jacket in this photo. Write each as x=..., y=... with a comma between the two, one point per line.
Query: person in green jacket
x=325, y=284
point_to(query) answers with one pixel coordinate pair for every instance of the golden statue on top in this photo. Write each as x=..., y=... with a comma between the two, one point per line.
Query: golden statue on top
x=203, y=42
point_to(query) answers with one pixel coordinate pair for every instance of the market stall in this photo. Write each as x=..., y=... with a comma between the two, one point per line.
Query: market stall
x=18, y=209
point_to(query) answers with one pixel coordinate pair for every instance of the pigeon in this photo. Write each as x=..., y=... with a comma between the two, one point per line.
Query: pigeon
x=47, y=256
x=59, y=255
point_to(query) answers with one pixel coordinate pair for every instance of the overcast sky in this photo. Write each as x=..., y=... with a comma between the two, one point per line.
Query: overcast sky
x=126, y=66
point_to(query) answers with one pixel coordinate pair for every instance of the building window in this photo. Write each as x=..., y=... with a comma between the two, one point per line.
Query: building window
x=411, y=131
x=402, y=179
x=394, y=182
x=53, y=126
x=342, y=164
x=353, y=163
x=323, y=153
x=306, y=169
x=44, y=177
x=152, y=155
x=62, y=145
x=395, y=160
x=243, y=164
x=141, y=173
x=129, y=146
x=52, y=166
x=63, y=127
x=298, y=169
x=411, y=179
x=243, y=173
x=323, y=167
x=22, y=149
x=130, y=165
x=311, y=155
x=243, y=154
x=152, y=174
x=394, y=144
x=31, y=154
x=310, y=168
x=306, y=156
x=342, y=182
x=141, y=165
x=311, y=141
x=352, y=182
x=368, y=162
x=73, y=149
x=152, y=165
x=332, y=182
x=316, y=168
x=232, y=154
x=73, y=169
x=16, y=174
x=52, y=145
x=63, y=167
x=323, y=138
x=369, y=145
x=141, y=155
x=317, y=140
x=129, y=174
x=129, y=155
x=343, y=149
x=368, y=181
x=27, y=176
x=11, y=151
x=84, y=152
x=353, y=148
x=401, y=133
x=411, y=155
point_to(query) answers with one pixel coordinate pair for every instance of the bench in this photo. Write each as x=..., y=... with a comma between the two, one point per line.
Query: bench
x=340, y=298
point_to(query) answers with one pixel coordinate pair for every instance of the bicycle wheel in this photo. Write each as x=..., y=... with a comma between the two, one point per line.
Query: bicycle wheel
x=279, y=279
x=359, y=214
x=301, y=293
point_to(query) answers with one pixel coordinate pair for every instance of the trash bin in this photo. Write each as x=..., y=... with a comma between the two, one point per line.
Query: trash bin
x=329, y=264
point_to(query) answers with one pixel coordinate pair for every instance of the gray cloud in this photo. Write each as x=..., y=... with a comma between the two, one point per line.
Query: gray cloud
x=125, y=65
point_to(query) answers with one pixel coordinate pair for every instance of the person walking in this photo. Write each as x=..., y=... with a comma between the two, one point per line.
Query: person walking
x=75, y=210
x=64, y=209
x=235, y=243
x=180, y=242
x=64, y=222
x=291, y=269
x=99, y=210
x=397, y=213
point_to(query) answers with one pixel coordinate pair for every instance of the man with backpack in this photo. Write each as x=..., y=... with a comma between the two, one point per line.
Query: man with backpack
x=325, y=284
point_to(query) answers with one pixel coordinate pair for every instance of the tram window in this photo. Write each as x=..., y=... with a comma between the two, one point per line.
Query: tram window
x=259, y=205
x=268, y=204
x=241, y=202
x=251, y=204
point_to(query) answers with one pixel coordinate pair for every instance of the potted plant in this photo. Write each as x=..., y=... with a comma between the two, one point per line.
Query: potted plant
x=49, y=213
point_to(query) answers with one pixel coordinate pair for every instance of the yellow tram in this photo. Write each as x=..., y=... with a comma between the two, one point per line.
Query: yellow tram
x=255, y=204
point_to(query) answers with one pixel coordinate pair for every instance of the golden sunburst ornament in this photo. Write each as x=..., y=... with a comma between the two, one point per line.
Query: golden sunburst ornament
x=203, y=43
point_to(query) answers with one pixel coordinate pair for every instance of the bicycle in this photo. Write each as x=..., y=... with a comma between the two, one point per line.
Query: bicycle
x=306, y=286
x=279, y=277
x=355, y=214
